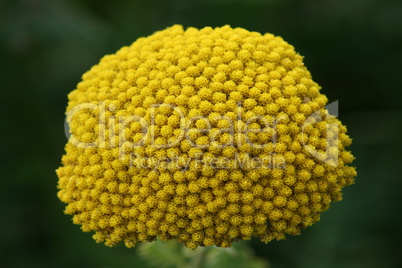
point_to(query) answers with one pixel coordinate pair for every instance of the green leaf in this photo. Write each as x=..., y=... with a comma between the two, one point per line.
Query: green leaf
x=173, y=254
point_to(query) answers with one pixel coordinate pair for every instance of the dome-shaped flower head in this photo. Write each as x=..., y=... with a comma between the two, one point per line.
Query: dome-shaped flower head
x=209, y=136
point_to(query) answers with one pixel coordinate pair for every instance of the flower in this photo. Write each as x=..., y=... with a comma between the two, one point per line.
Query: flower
x=210, y=136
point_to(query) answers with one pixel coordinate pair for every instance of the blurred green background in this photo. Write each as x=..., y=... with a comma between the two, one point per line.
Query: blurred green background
x=352, y=48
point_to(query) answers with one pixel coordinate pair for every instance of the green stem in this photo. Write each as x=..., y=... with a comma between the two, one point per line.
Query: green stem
x=201, y=258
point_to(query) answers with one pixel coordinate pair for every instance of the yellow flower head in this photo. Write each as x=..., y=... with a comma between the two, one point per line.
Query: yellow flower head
x=210, y=136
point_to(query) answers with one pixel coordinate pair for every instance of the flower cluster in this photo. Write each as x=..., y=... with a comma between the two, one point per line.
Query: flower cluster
x=244, y=142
